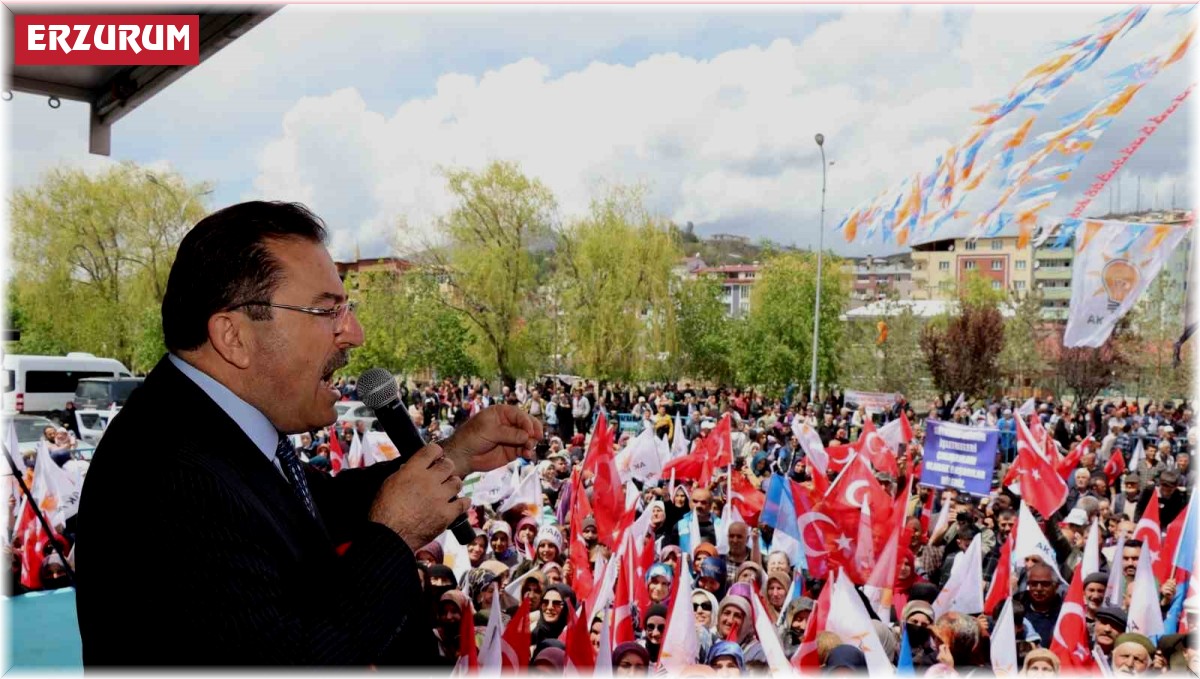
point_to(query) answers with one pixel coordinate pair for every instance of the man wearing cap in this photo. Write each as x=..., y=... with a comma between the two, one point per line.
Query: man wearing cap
x=1074, y=531
x=1131, y=654
x=1171, y=499
x=1094, y=587
x=1109, y=626
x=1126, y=502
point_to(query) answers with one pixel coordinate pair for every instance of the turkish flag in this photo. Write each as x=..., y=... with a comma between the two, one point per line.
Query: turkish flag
x=623, y=603
x=466, y=637
x=1070, y=641
x=998, y=591
x=1068, y=464
x=1115, y=467
x=579, y=561
x=1041, y=486
x=608, y=493
x=807, y=657
x=747, y=499
x=721, y=448
x=690, y=467
x=579, y=642
x=516, y=642
x=1149, y=530
x=839, y=456
x=814, y=529
x=337, y=457
x=877, y=451
x=854, y=487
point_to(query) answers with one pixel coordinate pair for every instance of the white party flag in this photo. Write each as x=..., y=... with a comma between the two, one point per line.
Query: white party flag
x=454, y=555
x=1114, y=592
x=1145, y=616
x=814, y=450
x=681, y=643
x=494, y=486
x=679, y=444
x=604, y=666
x=1004, y=643
x=1114, y=264
x=1031, y=541
x=527, y=493
x=852, y=623
x=963, y=592
x=1091, y=551
x=491, y=651
x=777, y=659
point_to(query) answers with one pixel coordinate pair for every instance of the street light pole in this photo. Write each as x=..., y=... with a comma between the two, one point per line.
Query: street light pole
x=820, y=256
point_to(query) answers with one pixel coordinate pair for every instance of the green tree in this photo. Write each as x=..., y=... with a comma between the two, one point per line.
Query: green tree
x=406, y=328
x=1022, y=361
x=774, y=345
x=1154, y=324
x=91, y=256
x=485, y=259
x=706, y=333
x=977, y=290
x=892, y=365
x=614, y=278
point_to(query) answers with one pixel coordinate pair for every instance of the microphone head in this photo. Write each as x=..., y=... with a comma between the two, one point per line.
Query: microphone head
x=377, y=388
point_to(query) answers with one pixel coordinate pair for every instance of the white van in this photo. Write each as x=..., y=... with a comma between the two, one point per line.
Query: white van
x=44, y=384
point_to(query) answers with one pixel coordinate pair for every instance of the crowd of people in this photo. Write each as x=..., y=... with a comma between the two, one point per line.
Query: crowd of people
x=542, y=569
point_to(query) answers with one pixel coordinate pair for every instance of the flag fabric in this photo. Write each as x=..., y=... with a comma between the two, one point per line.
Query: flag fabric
x=1031, y=541
x=882, y=578
x=876, y=450
x=807, y=656
x=1115, y=467
x=491, y=651
x=1041, y=487
x=466, y=637
x=963, y=591
x=1067, y=466
x=897, y=433
x=526, y=494
x=1164, y=562
x=853, y=624
x=14, y=449
x=1000, y=588
x=1149, y=529
x=1027, y=408
x=354, y=456
x=377, y=447
x=1114, y=591
x=580, y=656
x=1091, y=549
x=454, y=555
x=1139, y=452
x=747, y=500
x=55, y=491
x=1175, y=612
x=496, y=485
x=1145, y=616
x=681, y=643
x=1004, y=643
x=337, y=456
x=777, y=660
x=679, y=443
x=1185, y=559
x=1070, y=642
x=1110, y=272
x=904, y=662
x=814, y=450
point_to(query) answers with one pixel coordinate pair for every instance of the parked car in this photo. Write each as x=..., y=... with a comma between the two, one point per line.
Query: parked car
x=43, y=384
x=29, y=430
x=354, y=412
x=105, y=392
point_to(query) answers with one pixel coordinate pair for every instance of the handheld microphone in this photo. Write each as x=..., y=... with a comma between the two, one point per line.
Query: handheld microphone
x=377, y=389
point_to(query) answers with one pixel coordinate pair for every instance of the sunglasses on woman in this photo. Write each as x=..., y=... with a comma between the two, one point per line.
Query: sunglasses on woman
x=552, y=603
x=702, y=606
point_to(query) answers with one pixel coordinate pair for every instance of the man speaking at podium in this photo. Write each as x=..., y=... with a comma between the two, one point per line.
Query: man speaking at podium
x=201, y=538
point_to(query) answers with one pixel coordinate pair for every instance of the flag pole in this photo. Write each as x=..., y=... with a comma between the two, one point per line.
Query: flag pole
x=38, y=511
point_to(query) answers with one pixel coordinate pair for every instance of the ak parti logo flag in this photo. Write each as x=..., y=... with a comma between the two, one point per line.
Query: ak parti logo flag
x=106, y=40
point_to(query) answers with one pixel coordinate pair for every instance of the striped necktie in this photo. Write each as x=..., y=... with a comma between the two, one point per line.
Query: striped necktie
x=294, y=472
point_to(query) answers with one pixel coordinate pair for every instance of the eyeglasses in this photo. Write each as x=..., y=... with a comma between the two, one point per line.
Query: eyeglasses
x=656, y=627
x=702, y=606
x=552, y=603
x=338, y=312
x=1044, y=584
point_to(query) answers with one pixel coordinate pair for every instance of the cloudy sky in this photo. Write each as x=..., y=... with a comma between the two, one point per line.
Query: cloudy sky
x=354, y=110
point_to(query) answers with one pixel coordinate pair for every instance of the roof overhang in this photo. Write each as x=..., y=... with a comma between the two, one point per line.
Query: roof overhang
x=114, y=91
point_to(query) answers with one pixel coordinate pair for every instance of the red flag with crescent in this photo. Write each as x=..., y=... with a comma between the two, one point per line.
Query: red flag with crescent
x=1070, y=642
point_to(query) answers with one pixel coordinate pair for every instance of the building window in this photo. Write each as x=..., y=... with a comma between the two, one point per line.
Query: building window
x=1020, y=285
x=995, y=285
x=1020, y=265
x=971, y=265
x=997, y=265
x=943, y=266
x=997, y=244
x=970, y=245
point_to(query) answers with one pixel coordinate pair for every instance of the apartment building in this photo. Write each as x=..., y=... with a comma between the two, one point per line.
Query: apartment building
x=939, y=266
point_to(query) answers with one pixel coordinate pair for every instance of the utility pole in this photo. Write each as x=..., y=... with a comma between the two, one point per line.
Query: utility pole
x=1138, y=202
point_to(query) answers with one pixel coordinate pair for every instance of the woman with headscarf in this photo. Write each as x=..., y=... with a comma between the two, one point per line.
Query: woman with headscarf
x=477, y=548
x=547, y=548
x=672, y=556
x=712, y=576
x=430, y=555
x=532, y=588
x=846, y=659
x=774, y=594
x=1040, y=663
x=554, y=613
x=553, y=573
x=917, y=618
x=734, y=614
x=701, y=552
x=906, y=577
x=658, y=582
x=525, y=532
x=653, y=625
x=752, y=574
x=550, y=661
x=794, y=624
x=658, y=519
x=726, y=658
x=778, y=562
x=630, y=659
x=452, y=605
x=704, y=607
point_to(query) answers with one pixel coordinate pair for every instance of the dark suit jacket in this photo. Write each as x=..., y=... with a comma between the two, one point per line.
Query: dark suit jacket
x=194, y=550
